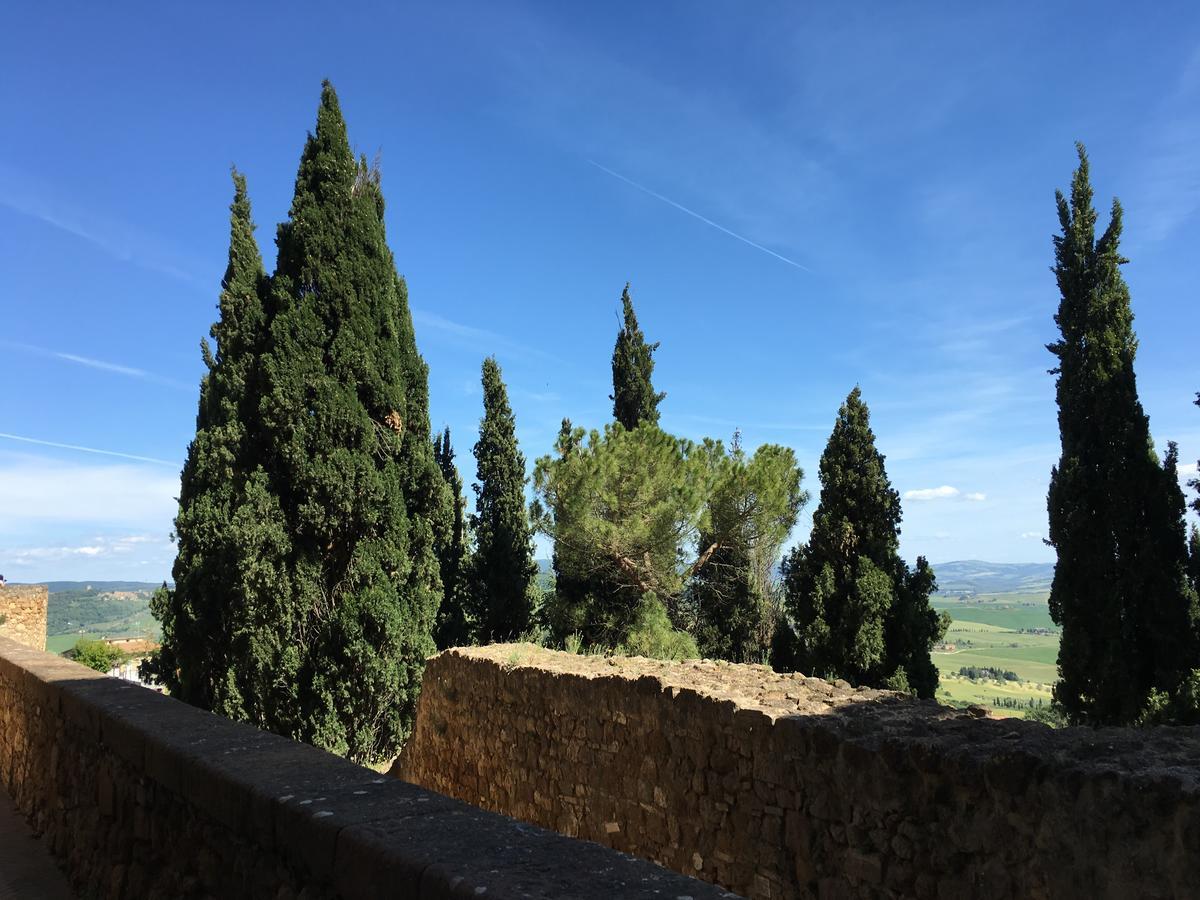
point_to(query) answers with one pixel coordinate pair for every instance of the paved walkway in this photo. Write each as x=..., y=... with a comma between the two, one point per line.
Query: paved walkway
x=27, y=871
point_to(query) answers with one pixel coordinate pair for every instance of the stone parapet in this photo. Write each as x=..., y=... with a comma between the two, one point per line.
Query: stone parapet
x=23, y=614
x=141, y=796
x=785, y=786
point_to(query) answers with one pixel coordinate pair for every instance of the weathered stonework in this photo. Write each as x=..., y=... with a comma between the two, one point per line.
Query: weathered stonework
x=141, y=796
x=785, y=786
x=23, y=611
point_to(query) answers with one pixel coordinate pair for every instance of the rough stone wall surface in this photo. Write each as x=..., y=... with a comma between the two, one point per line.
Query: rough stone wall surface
x=141, y=796
x=785, y=786
x=23, y=610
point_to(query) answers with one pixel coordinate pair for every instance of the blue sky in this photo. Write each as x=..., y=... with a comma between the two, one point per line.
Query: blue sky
x=804, y=198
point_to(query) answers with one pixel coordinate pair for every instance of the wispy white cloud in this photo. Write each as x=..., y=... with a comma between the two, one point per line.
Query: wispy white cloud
x=944, y=492
x=101, y=364
x=24, y=194
x=117, y=557
x=82, y=449
x=757, y=425
x=1031, y=535
x=696, y=215
x=37, y=492
x=479, y=339
x=1167, y=192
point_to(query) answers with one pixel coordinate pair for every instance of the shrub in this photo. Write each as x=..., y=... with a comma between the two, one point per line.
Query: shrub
x=653, y=636
x=95, y=654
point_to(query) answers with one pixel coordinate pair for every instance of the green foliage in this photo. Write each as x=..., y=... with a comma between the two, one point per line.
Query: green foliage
x=306, y=580
x=730, y=604
x=620, y=507
x=96, y=654
x=100, y=611
x=652, y=635
x=1120, y=591
x=898, y=681
x=633, y=396
x=858, y=612
x=1181, y=707
x=199, y=655
x=454, y=627
x=1048, y=714
x=504, y=588
x=977, y=673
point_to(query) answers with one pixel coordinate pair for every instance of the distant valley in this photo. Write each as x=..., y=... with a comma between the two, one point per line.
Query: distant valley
x=110, y=609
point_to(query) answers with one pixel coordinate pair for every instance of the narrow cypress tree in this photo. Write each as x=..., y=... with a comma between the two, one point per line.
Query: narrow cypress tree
x=199, y=615
x=1120, y=591
x=633, y=396
x=504, y=574
x=453, y=626
x=350, y=461
x=859, y=613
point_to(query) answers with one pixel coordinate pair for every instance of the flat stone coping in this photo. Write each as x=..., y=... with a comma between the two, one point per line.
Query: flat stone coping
x=346, y=827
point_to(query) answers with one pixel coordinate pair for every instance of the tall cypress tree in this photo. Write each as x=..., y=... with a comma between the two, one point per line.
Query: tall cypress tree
x=1194, y=533
x=859, y=613
x=199, y=616
x=1120, y=591
x=633, y=396
x=350, y=461
x=453, y=626
x=504, y=574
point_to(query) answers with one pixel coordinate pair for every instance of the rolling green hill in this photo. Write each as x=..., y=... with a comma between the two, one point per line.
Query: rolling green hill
x=1007, y=631
x=98, y=609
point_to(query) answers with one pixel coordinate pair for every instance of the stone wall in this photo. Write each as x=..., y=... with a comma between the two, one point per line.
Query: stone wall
x=785, y=786
x=23, y=609
x=141, y=796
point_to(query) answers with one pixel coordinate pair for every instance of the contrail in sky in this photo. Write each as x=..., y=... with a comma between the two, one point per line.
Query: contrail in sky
x=29, y=440
x=696, y=215
x=101, y=364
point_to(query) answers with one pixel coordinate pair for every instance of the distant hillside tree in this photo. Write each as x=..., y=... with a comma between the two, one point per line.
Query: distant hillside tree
x=858, y=612
x=633, y=396
x=730, y=603
x=201, y=650
x=454, y=628
x=503, y=588
x=1120, y=590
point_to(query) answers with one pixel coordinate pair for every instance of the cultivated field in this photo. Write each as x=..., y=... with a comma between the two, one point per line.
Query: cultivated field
x=987, y=633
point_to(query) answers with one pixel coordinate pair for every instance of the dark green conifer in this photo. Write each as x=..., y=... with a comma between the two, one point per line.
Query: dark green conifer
x=349, y=457
x=453, y=626
x=200, y=615
x=633, y=396
x=504, y=574
x=1120, y=591
x=859, y=613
